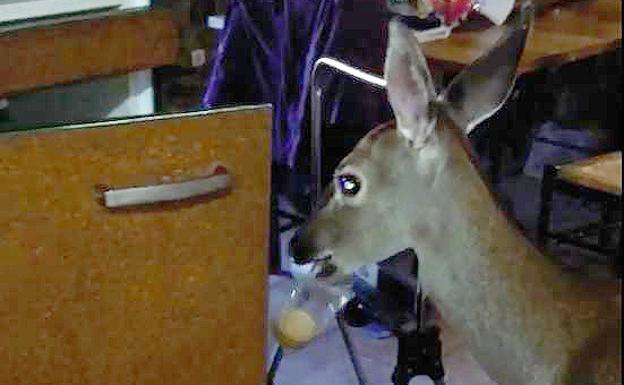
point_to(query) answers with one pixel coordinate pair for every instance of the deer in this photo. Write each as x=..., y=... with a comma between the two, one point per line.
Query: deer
x=413, y=183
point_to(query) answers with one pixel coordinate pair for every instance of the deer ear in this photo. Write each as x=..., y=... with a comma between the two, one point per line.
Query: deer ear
x=409, y=84
x=483, y=87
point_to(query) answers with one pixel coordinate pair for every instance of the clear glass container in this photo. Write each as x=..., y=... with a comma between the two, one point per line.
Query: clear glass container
x=309, y=311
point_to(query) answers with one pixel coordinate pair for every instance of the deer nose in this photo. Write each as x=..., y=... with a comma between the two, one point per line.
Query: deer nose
x=299, y=252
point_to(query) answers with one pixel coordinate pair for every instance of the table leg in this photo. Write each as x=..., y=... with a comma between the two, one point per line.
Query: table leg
x=617, y=263
x=496, y=154
x=550, y=172
x=277, y=359
x=605, y=219
x=357, y=367
x=609, y=218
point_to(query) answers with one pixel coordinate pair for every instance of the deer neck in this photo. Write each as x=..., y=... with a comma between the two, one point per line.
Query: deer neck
x=471, y=231
x=488, y=280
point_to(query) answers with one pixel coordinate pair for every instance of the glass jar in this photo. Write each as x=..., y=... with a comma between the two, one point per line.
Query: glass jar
x=310, y=311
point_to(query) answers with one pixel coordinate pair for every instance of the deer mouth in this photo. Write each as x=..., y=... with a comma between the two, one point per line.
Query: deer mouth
x=327, y=270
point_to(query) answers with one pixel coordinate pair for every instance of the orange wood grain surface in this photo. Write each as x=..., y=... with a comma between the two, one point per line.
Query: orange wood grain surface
x=80, y=50
x=569, y=31
x=175, y=296
x=602, y=172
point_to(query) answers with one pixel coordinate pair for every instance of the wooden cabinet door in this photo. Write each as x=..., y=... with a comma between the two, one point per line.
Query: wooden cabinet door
x=169, y=293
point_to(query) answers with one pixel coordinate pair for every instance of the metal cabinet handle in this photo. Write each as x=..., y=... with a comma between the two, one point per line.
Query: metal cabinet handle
x=219, y=181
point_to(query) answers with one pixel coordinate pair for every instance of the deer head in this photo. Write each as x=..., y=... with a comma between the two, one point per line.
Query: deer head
x=398, y=186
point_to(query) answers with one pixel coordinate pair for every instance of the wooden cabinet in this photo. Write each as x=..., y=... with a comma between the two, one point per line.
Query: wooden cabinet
x=74, y=49
x=156, y=294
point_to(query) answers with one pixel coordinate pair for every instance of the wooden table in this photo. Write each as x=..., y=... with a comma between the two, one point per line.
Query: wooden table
x=562, y=33
x=565, y=32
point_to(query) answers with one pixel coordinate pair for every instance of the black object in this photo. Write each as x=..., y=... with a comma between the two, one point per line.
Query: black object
x=413, y=22
x=277, y=359
x=284, y=181
x=609, y=227
x=396, y=306
x=391, y=303
x=420, y=354
x=420, y=348
x=371, y=305
x=356, y=315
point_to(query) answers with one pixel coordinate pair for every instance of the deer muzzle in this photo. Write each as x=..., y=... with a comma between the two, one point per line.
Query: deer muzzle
x=300, y=250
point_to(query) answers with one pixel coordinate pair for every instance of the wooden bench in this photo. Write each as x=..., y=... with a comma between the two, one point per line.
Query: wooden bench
x=597, y=179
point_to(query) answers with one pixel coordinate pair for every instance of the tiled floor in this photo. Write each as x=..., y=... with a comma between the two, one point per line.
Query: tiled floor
x=326, y=362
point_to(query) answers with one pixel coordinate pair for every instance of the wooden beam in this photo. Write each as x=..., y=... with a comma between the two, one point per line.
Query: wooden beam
x=78, y=50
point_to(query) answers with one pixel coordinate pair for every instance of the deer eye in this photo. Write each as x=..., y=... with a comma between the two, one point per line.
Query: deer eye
x=349, y=184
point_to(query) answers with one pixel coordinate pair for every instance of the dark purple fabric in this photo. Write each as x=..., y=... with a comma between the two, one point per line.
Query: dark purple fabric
x=268, y=48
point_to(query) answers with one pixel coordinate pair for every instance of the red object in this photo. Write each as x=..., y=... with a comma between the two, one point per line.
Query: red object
x=220, y=170
x=452, y=11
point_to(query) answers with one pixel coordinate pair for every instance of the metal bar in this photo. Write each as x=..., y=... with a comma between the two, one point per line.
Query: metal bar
x=166, y=192
x=579, y=191
x=315, y=140
x=617, y=258
x=347, y=340
x=590, y=230
x=606, y=217
x=582, y=233
x=316, y=105
x=563, y=237
x=277, y=359
x=114, y=122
